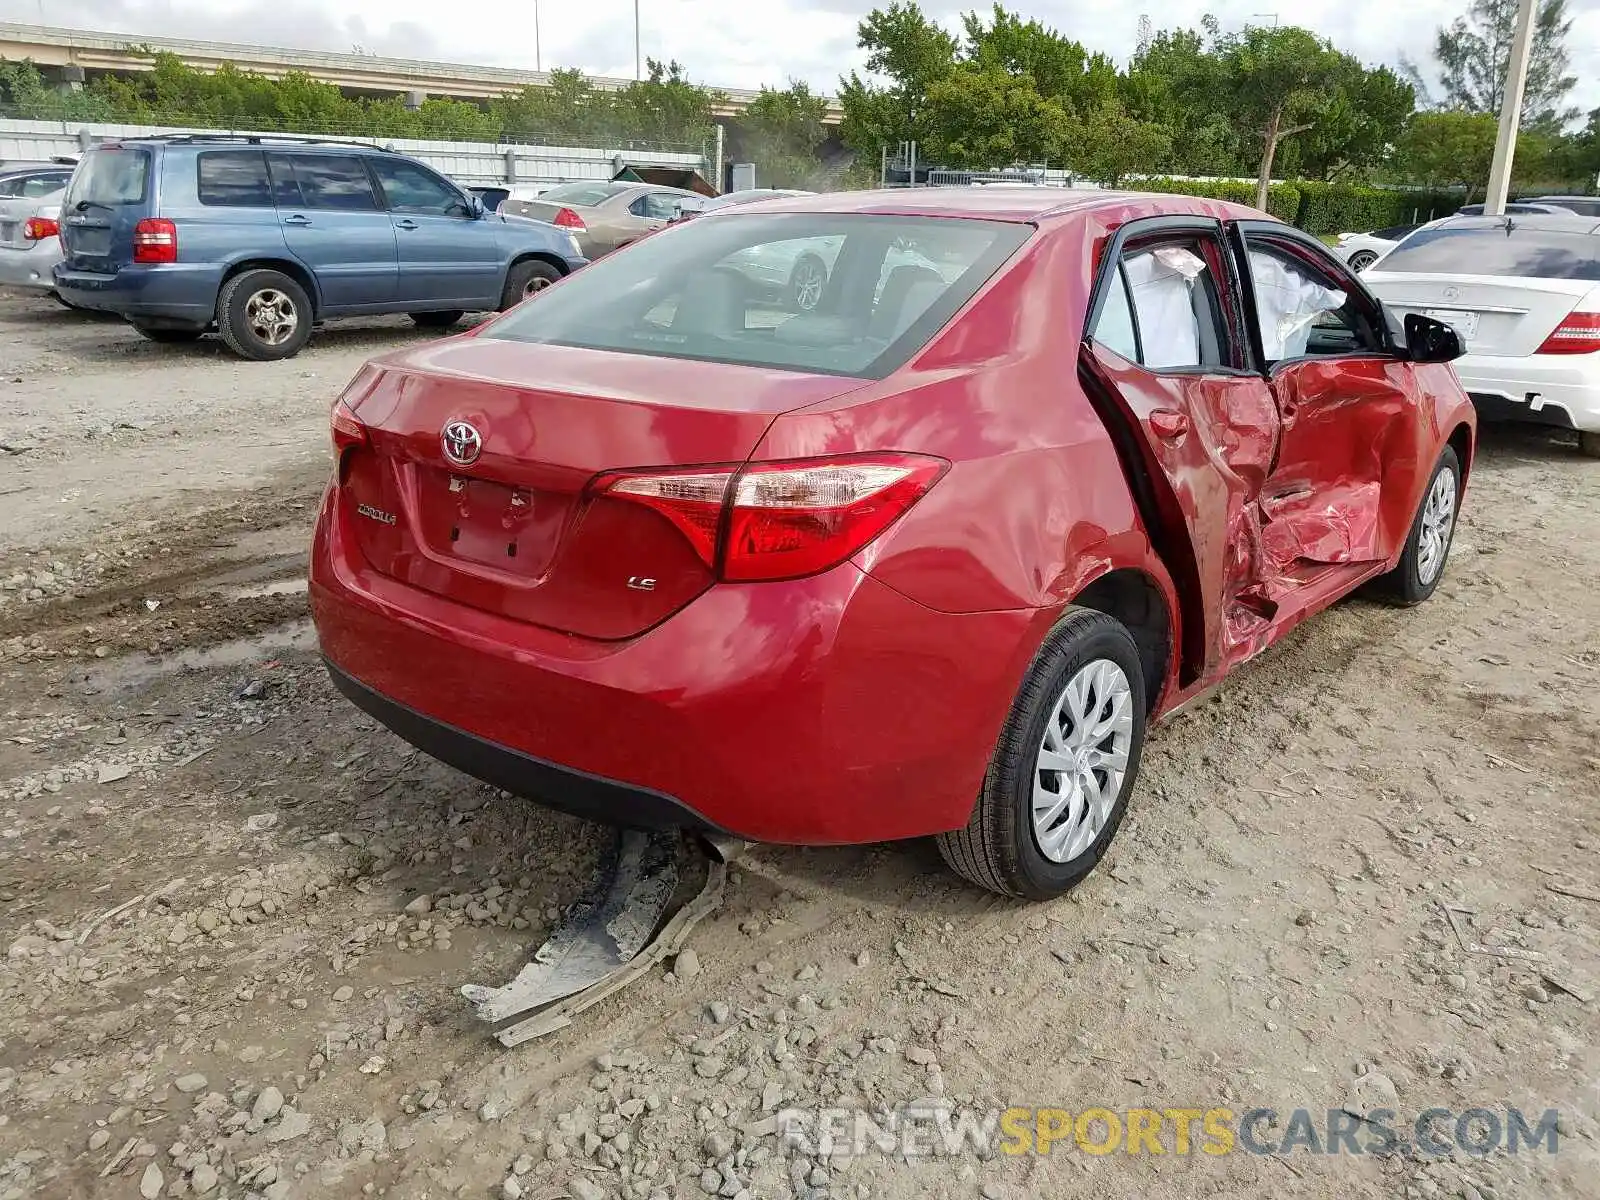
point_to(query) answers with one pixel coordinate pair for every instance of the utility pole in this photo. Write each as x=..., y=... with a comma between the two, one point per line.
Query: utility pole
x=1505, y=145
x=538, y=56
x=637, y=73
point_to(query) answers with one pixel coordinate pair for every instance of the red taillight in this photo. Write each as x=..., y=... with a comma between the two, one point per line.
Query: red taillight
x=347, y=431
x=1578, y=333
x=784, y=520
x=155, y=240
x=568, y=219
x=36, y=229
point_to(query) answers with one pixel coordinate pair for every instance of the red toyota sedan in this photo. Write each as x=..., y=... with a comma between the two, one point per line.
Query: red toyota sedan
x=926, y=556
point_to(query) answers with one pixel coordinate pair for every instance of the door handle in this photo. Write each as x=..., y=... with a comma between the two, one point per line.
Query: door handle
x=1168, y=424
x=297, y=221
x=407, y=223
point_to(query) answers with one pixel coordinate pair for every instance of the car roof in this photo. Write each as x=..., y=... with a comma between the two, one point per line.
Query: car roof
x=1570, y=222
x=208, y=141
x=1028, y=205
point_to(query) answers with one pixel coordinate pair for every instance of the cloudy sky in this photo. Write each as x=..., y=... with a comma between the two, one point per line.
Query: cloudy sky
x=735, y=43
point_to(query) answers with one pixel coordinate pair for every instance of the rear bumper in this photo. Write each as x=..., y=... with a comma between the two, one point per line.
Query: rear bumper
x=820, y=711
x=30, y=268
x=560, y=787
x=1550, y=389
x=181, y=292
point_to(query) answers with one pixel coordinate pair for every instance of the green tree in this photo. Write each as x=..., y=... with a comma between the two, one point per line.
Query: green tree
x=910, y=52
x=665, y=107
x=1176, y=81
x=1473, y=54
x=1114, y=144
x=781, y=131
x=1447, y=149
x=984, y=117
x=1355, y=129
x=1278, y=82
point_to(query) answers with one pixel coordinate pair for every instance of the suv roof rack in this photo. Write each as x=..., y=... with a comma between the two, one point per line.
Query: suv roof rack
x=257, y=139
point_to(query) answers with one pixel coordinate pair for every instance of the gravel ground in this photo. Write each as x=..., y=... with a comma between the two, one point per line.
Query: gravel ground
x=235, y=913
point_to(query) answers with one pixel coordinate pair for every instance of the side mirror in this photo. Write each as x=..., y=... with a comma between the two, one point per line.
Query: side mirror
x=1431, y=341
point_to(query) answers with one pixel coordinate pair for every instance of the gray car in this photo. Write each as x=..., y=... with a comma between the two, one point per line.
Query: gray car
x=29, y=245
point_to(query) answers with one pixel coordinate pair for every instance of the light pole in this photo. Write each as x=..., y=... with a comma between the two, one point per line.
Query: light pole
x=1505, y=145
x=538, y=56
x=637, y=74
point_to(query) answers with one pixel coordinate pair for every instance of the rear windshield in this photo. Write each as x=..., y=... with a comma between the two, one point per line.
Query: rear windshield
x=838, y=294
x=1494, y=250
x=111, y=176
x=584, y=193
x=1395, y=232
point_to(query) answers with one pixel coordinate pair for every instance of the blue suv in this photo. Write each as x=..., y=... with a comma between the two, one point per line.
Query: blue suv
x=260, y=238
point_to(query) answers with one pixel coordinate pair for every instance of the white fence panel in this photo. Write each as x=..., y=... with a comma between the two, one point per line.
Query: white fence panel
x=467, y=162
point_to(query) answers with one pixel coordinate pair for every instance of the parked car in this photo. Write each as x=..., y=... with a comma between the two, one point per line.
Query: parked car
x=603, y=216
x=30, y=246
x=750, y=196
x=1361, y=250
x=1524, y=296
x=925, y=559
x=494, y=195
x=1584, y=206
x=261, y=238
x=30, y=181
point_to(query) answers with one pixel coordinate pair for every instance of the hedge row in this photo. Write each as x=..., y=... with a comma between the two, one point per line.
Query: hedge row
x=1320, y=207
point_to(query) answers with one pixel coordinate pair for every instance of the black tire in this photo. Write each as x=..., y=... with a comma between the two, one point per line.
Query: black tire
x=998, y=848
x=1362, y=259
x=438, y=320
x=1412, y=581
x=168, y=335
x=526, y=278
x=808, y=278
x=240, y=326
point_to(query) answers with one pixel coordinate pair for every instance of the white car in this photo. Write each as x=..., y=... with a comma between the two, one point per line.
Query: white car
x=29, y=247
x=1523, y=294
x=1361, y=250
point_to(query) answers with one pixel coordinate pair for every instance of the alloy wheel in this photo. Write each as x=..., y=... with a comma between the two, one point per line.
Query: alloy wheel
x=271, y=316
x=1438, y=520
x=1083, y=760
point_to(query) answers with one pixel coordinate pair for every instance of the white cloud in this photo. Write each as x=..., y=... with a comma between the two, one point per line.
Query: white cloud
x=732, y=43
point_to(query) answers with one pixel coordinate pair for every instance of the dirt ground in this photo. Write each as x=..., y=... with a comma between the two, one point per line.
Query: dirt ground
x=236, y=913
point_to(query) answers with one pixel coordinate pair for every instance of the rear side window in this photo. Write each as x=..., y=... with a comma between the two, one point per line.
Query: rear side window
x=111, y=176
x=335, y=181
x=234, y=179
x=1496, y=250
x=584, y=193
x=1162, y=309
x=825, y=293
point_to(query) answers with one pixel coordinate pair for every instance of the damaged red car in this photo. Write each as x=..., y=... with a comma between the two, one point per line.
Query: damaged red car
x=926, y=555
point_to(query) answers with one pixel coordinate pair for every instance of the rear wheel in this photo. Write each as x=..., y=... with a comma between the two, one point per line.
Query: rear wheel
x=264, y=315
x=1059, y=781
x=527, y=279
x=1362, y=259
x=167, y=335
x=437, y=320
x=1421, y=564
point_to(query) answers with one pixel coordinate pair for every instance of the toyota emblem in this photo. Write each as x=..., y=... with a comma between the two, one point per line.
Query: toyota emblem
x=462, y=443
x=1452, y=293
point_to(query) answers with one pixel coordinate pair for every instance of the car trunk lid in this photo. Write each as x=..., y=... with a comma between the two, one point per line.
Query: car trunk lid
x=518, y=529
x=1493, y=315
x=109, y=193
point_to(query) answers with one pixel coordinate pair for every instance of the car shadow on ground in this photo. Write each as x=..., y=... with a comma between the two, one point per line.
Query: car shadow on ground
x=211, y=348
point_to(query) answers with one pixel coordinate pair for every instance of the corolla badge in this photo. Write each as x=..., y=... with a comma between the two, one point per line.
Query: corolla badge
x=462, y=443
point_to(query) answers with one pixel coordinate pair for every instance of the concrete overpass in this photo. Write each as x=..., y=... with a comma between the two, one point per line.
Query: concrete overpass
x=68, y=54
